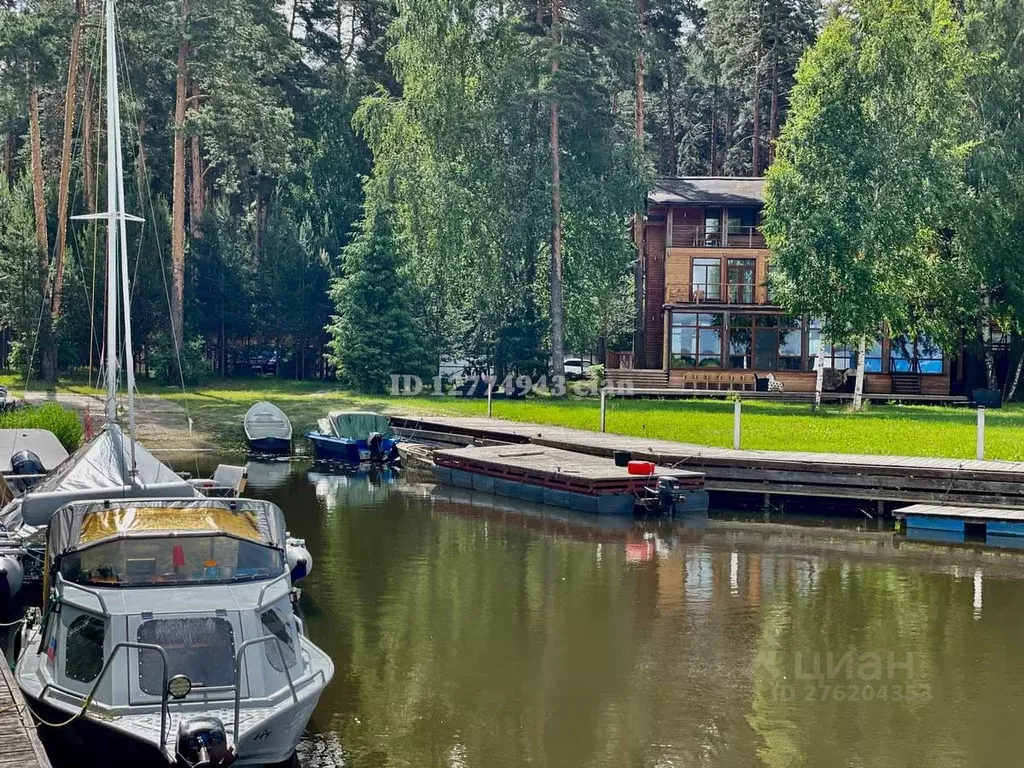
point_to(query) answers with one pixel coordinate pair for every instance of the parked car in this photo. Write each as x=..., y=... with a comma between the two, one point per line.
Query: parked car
x=576, y=368
x=264, y=361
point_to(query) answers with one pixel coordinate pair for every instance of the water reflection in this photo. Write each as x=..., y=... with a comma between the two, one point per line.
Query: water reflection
x=473, y=630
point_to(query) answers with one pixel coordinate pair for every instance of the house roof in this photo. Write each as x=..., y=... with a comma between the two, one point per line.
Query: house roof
x=704, y=190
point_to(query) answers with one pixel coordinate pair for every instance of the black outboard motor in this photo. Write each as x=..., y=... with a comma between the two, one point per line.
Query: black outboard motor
x=376, y=444
x=669, y=490
x=28, y=463
x=203, y=742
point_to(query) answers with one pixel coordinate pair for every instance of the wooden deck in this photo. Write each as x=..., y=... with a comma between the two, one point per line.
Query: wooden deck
x=19, y=743
x=825, y=476
x=965, y=513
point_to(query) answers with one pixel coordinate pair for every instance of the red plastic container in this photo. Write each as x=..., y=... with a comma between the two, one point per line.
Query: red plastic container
x=640, y=467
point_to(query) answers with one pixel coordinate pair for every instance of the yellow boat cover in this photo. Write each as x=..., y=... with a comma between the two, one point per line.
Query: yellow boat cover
x=104, y=523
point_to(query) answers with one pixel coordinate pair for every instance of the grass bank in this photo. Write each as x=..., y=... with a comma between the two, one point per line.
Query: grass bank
x=217, y=408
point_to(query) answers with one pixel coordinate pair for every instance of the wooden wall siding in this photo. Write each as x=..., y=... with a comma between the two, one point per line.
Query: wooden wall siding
x=684, y=219
x=654, y=291
x=677, y=270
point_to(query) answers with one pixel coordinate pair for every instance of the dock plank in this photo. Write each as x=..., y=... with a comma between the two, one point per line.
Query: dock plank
x=19, y=743
x=970, y=513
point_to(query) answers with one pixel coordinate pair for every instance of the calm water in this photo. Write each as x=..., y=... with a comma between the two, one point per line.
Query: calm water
x=470, y=631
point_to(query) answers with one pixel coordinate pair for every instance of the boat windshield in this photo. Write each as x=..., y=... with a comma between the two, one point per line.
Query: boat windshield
x=151, y=561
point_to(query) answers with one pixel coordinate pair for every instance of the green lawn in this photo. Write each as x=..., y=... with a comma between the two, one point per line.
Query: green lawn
x=217, y=408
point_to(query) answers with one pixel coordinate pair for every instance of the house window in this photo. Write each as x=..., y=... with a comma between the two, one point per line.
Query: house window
x=741, y=341
x=778, y=342
x=696, y=340
x=740, y=278
x=919, y=356
x=706, y=280
x=83, y=657
x=839, y=356
x=713, y=227
x=741, y=225
x=873, y=357
x=790, y=343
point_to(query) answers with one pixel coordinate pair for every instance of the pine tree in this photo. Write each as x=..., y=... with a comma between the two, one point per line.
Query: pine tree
x=376, y=332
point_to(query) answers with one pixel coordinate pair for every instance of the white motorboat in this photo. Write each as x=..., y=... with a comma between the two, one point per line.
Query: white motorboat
x=169, y=630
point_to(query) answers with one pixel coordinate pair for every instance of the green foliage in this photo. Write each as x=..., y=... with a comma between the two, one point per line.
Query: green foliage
x=194, y=367
x=63, y=422
x=377, y=331
x=868, y=180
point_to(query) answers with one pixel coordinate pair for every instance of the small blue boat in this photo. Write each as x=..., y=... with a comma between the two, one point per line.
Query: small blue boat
x=352, y=437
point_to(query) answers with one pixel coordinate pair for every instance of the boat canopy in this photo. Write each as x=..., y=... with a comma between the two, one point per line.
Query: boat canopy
x=81, y=525
x=42, y=442
x=98, y=470
x=357, y=425
x=264, y=420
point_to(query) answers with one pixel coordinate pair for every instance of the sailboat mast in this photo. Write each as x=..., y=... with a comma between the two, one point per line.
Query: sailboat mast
x=112, y=223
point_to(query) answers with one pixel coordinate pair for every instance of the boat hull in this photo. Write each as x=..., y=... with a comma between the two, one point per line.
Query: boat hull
x=346, y=450
x=270, y=445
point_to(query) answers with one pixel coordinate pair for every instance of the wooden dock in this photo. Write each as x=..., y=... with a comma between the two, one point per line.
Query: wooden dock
x=979, y=520
x=19, y=743
x=824, y=476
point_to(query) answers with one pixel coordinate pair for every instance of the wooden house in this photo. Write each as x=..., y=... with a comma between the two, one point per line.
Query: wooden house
x=709, y=316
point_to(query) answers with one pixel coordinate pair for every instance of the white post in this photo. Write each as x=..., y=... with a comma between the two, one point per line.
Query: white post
x=603, y=413
x=980, y=448
x=490, y=386
x=736, y=424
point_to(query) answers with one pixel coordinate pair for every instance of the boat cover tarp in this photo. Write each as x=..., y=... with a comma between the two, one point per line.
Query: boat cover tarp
x=42, y=442
x=357, y=425
x=81, y=524
x=100, y=469
x=267, y=420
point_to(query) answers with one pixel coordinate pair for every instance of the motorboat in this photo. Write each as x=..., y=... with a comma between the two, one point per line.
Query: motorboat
x=169, y=632
x=267, y=429
x=352, y=437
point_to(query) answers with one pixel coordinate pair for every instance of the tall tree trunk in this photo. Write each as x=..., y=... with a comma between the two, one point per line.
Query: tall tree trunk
x=88, y=162
x=178, y=188
x=142, y=166
x=755, y=142
x=670, y=108
x=8, y=158
x=858, y=388
x=1016, y=378
x=557, y=318
x=986, y=340
x=38, y=188
x=198, y=192
x=714, y=126
x=639, y=352
x=70, y=94
x=819, y=372
x=773, y=119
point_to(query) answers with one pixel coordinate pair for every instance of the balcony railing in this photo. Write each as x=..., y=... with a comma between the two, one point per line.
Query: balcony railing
x=699, y=236
x=720, y=293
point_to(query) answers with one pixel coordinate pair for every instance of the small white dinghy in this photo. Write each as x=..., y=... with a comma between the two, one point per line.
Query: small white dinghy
x=169, y=632
x=267, y=429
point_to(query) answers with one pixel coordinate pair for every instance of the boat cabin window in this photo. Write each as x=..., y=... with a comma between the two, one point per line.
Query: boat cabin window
x=274, y=624
x=141, y=562
x=83, y=656
x=201, y=648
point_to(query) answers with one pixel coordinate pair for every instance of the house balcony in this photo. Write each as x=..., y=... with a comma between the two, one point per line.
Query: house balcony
x=703, y=236
x=745, y=294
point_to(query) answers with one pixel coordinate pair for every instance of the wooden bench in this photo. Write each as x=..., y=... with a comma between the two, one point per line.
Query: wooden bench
x=697, y=378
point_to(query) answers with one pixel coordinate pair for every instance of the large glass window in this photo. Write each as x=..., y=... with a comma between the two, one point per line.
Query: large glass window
x=839, y=356
x=712, y=226
x=201, y=648
x=696, y=340
x=741, y=225
x=83, y=653
x=741, y=341
x=706, y=280
x=873, y=357
x=921, y=355
x=766, y=342
x=274, y=625
x=740, y=278
x=139, y=561
x=790, y=343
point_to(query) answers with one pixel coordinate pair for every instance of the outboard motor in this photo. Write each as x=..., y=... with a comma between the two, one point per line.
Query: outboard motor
x=27, y=463
x=375, y=442
x=202, y=743
x=669, y=491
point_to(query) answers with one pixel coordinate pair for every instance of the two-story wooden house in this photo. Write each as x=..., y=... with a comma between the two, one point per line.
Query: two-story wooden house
x=709, y=317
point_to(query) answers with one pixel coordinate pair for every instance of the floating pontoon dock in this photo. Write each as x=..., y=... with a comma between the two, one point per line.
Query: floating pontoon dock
x=558, y=477
x=981, y=520
x=819, y=476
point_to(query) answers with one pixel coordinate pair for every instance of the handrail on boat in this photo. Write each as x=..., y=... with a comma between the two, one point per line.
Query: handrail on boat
x=269, y=584
x=239, y=658
x=87, y=700
x=94, y=592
